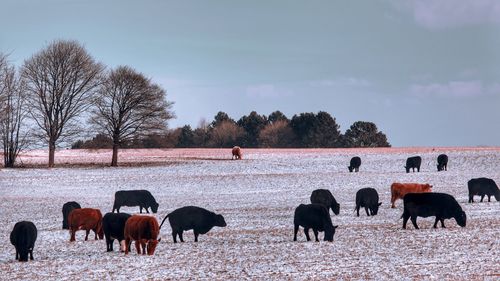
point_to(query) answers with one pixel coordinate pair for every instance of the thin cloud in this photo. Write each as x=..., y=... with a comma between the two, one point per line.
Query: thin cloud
x=443, y=14
x=267, y=91
x=452, y=89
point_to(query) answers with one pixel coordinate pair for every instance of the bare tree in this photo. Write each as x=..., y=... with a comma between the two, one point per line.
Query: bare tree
x=14, y=136
x=129, y=105
x=226, y=134
x=61, y=81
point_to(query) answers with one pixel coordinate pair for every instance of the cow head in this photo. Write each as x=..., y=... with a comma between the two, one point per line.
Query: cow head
x=219, y=221
x=152, y=246
x=461, y=218
x=407, y=169
x=374, y=208
x=351, y=168
x=329, y=233
x=336, y=208
x=154, y=207
x=440, y=167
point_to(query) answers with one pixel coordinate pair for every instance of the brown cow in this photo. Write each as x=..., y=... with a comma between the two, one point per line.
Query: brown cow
x=144, y=230
x=237, y=154
x=399, y=190
x=87, y=219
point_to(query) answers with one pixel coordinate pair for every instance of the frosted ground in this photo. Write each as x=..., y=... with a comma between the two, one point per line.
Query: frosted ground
x=257, y=197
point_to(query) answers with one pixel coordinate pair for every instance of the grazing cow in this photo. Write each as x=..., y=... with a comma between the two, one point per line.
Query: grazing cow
x=412, y=163
x=114, y=226
x=442, y=162
x=66, y=209
x=144, y=230
x=195, y=218
x=441, y=205
x=325, y=198
x=131, y=198
x=354, y=164
x=367, y=198
x=23, y=237
x=85, y=219
x=237, y=154
x=483, y=187
x=399, y=190
x=313, y=216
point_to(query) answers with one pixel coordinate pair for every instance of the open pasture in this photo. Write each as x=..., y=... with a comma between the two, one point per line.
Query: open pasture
x=257, y=196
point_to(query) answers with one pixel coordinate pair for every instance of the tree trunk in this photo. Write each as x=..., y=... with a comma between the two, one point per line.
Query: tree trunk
x=114, y=158
x=52, y=150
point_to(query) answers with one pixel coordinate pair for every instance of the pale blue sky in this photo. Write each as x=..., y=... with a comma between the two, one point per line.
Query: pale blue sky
x=426, y=72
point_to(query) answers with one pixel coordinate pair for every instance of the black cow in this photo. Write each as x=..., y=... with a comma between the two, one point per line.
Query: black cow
x=23, y=237
x=367, y=198
x=325, y=198
x=427, y=204
x=195, y=218
x=130, y=198
x=354, y=164
x=483, y=187
x=114, y=226
x=66, y=209
x=412, y=163
x=313, y=216
x=442, y=162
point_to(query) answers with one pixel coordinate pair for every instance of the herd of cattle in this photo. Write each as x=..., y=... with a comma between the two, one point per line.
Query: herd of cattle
x=418, y=200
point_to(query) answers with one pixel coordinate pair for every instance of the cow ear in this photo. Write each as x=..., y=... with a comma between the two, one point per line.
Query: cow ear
x=380, y=203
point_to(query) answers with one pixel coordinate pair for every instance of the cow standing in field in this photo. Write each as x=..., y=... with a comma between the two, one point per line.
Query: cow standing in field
x=483, y=187
x=325, y=198
x=399, y=190
x=354, y=164
x=144, y=230
x=315, y=217
x=130, y=198
x=85, y=219
x=367, y=198
x=413, y=163
x=23, y=237
x=66, y=209
x=237, y=153
x=441, y=205
x=114, y=225
x=442, y=162
x=190, y=217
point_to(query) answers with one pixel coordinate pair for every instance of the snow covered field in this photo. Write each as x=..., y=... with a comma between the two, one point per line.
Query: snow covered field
x=257, y=196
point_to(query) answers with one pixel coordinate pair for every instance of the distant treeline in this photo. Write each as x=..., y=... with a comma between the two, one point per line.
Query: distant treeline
x=304, y=130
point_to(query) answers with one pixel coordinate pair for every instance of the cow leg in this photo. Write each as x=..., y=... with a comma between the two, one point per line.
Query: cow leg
x=436, y=222
x=442, y=223
x=471, y=198
x=180, y=235
x=174, y=235
x=393, y=199
x=140, y=209
x=147, y=211
x=95, y=232
x=87, y=231
x=127, y=245
x=414, y=221
x=143, y=245
x=482, y=197
x=357, y=210
x=72, y=233
x=316, y=234
x=306, y=232
x=405, y=220
x=17, y=254
x=109, y=245
x=196, y=236
x=138, y=246
x=366, y=210
x=489, y=198
x=31, y=254
x=295, y=230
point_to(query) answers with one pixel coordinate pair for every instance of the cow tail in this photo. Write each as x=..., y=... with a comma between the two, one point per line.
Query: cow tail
x=163, y=221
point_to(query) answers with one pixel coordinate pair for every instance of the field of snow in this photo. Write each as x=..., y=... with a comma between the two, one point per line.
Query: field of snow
x=257, y=196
